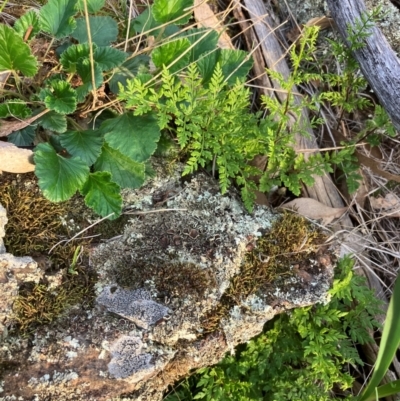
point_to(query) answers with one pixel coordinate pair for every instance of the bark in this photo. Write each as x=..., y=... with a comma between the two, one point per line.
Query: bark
x=378, y=62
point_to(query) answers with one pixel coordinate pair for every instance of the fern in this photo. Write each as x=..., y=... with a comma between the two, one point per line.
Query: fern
x=302, y=355
x=212, y=124
x=215, y=129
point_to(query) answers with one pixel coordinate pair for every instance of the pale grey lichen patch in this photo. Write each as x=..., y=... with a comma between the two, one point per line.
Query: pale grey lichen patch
x=196, y=231
x=57, y=377
x=127, y=360
x=135, y=305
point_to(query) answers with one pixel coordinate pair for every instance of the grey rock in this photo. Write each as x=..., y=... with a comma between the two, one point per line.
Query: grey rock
x=128, y=361
x=160, y=279
x=136, y=305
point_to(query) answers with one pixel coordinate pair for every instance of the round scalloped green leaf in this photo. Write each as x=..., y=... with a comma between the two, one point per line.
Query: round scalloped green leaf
x=56, y=18
x=28, y=20
x=54, y=122
x=234, y=64
x=145, y=22
x=104, y=30
x=60, y=97
x=108, y=57
x=207, y=64
x=125, y=172
x=170, y=53
x=134, y=136
x=15, y=55
x=102, y=195
x=84, y=70
x=70, y=57
x=15, y=108
x=23, y=137
x=84, y=144
x=93, y=5
x=59, y=178
x=167, y=10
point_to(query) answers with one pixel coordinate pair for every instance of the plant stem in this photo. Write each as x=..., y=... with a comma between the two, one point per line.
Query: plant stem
x=89, y=33
x=3, y=5
x=48, y=49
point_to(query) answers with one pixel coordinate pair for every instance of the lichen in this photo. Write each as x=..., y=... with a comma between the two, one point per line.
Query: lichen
x=277, y=255
x=136, y=305
x=127, y=359
x=184, y=246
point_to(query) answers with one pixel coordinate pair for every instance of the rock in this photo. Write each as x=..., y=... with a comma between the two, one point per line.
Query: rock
x=163, y=305
x=127, y=359
x=3, y=222
x=136, y=306
x=14, y=271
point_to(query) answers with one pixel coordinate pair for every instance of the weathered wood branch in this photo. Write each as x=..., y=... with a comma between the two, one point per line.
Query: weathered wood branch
x=378, y=61
x=273, y=56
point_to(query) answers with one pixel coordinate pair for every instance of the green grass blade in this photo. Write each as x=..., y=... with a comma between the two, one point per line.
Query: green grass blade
x=386, y=390
x=389, y=344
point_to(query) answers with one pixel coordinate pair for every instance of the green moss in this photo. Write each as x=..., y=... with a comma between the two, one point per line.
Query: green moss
x=35, y=226
x=287, y=247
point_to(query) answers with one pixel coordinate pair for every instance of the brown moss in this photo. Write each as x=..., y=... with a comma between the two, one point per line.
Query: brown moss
x=38, y=304
x=35, y=225
x=289, y=246
x=170, y=279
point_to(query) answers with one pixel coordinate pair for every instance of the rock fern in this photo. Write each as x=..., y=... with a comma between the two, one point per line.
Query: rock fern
x=212, y=123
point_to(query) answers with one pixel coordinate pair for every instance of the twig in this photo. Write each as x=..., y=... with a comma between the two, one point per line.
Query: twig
x=326, y=149
x=154, y=211
x=80, y=232
x=89, y=33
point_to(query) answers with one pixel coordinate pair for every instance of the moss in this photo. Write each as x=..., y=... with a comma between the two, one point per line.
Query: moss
x=38, y=304
x=169, y=279
x=289, y=246
x=35, y=225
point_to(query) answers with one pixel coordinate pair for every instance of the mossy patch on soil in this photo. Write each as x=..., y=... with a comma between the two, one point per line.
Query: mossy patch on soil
x=35, y=227
x=280, y=253
x=38, y=304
